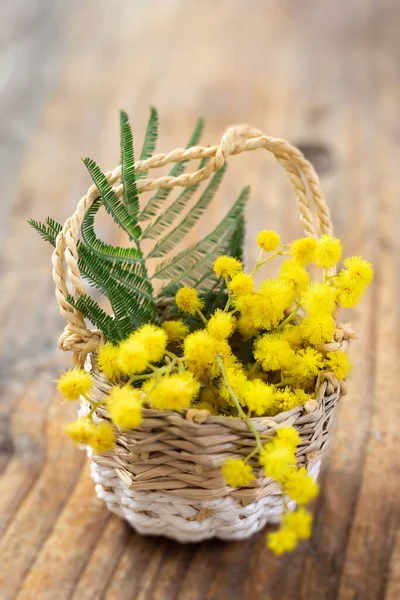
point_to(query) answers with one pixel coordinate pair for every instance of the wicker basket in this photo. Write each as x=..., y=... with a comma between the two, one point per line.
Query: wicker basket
x=165, y=477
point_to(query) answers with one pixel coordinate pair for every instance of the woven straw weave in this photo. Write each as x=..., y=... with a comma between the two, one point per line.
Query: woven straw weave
x=165, y=477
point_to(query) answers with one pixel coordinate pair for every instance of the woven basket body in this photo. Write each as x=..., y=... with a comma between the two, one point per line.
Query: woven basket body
x=165, y=478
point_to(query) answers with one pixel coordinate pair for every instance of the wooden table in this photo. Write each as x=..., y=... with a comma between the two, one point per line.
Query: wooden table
x=326, y=76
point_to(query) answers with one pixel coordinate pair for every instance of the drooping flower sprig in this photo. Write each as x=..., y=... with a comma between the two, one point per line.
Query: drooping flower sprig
x=259, y=355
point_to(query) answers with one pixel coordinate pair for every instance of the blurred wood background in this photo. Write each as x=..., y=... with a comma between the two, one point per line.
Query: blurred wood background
x=326, y=76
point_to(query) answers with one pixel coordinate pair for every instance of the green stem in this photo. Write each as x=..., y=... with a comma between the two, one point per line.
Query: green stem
x=228, y=304
x=290, y=317
x=263, y=262
x=95, y=405
x=139, y=377
x=240, y=410
x=252, y=453
x=202, y=317
x=260, y=263
x=257, y=262
x=175, y=358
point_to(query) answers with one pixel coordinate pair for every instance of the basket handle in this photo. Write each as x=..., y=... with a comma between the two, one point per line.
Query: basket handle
x=237, y=139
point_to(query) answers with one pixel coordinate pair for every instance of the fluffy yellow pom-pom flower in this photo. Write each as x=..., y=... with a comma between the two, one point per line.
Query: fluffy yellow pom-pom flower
x=125, y=407
x=74, y=383
x=300, y=486
x=319, y=299
x=242, y=284
x=174, y=392
x=268, y=240
x=103, y=438
x=339, y=363
x=288, y=435
x=155, y=340
x=352, y=281
x=245, y=327
x=359, y=269
x=295, y=526
x=134, y=356
x=349, y=290
x=318, y=330
x=227, y=266
x=307, y=363
x=188, y=300
x=221, y=325
x=238, y=381
x=292, y=334
x=303, y=250
x=295, y=275
x=264, y=313
x=299, y=522
x=277, y=458
x=273, y=352
x=267, y=308
x=200, y=349
x=81, y=430
x=259, y=397
x=176, y=330
x=287, y=399
x=237, y=473
x=281, y=541
x=328, y=252
x=108, y=361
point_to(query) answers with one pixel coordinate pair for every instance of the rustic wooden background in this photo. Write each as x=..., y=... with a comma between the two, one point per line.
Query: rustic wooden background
x=325, y=75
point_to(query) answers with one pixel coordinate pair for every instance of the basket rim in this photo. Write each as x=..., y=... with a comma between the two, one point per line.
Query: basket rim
x=200, y=416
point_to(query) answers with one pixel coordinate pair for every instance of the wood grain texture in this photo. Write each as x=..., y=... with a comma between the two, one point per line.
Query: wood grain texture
x=324, y=75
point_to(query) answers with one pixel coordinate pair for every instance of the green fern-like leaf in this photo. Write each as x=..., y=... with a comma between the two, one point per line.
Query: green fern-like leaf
x=128, y=175
x=113, y=253
x=150, y=139
x=111, y=202
x=154, y=230
x=153, y=205
x=45, y=231
x=115, y=280
x=120, y=273
x=168, y=242
x=92, y=311
x=192, y=265
x=237, y=243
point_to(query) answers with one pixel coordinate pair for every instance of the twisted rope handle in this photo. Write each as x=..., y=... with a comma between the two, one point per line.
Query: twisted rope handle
x=237, y=139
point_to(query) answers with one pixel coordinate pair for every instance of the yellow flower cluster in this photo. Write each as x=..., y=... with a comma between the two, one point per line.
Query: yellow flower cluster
x=278, y=460
x=295, y=526
x=176, y=330
x=227, y=266
x=124, y=406
x=99, y=437
x=352, y=280
x=188, y=301
x=257, y=352
x=268, y=240
x=75, y=383
x=172, y=392
x=237, y=473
